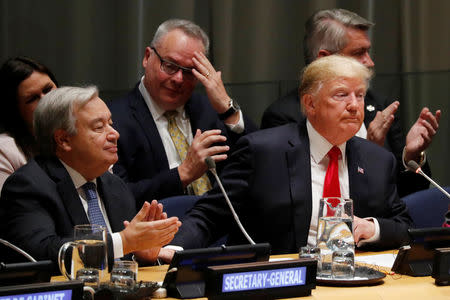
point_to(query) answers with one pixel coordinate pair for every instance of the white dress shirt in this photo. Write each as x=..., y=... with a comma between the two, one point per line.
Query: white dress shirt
x=319, y=148
x=78, y=180
x=183, y=123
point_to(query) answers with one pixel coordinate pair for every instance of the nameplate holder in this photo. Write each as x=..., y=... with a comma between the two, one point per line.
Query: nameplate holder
x=186, y=276
x=262, y=280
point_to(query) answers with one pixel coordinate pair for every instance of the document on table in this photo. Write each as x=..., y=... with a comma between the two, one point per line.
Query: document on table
x=382, y=260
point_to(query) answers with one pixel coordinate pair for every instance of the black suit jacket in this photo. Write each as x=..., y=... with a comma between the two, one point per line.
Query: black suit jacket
x=269, y=182
x=287, y=109
x=142, y=161
x=40, y=207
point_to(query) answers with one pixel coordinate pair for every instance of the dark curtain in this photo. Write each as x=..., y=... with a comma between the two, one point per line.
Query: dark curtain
x=257, y=44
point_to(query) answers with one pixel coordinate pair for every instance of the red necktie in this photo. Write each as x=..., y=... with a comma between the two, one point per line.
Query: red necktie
x=331, y=184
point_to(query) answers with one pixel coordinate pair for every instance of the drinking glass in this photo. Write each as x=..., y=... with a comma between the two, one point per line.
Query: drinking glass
x=124, y=274
x=334, y=231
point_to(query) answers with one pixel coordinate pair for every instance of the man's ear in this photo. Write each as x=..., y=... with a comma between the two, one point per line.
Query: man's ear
x=62, y=140
x=308, y=104
x=323, y=52
x=145, y=61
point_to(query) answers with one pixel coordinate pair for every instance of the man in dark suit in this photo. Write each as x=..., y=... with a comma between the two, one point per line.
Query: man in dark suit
x=151, y=163
x=344, y=32
x=275, y=177
x=45, y=199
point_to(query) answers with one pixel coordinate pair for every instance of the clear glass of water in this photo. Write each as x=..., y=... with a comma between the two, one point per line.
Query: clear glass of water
x=311, y=252
x=124, y=274
x=343, y=264
x=90, y=277
x=334, y=231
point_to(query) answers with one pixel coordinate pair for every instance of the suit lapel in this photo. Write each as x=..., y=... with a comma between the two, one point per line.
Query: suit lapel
x=145, y=120
x=67, y=191
x=299, y=169
x=357, y=177
x=193, y=110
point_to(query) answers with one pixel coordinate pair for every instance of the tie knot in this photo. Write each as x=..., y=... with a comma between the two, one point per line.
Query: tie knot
x=334, y=153
x=170, y=114
x=89, y=189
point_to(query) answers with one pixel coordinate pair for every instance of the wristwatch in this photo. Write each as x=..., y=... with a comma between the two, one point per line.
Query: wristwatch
x=234, y=107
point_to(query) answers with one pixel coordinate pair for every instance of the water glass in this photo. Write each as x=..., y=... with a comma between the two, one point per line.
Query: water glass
x=310, y=252
x=343, y=265
x=124, y=274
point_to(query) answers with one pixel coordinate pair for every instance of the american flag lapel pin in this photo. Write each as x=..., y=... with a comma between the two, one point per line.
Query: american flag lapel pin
x=360, y=170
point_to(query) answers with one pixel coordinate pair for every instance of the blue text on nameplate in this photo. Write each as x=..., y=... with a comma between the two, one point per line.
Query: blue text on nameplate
x=256, y=280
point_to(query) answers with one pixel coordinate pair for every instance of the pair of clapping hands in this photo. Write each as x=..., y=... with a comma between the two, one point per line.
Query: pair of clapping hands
x=149, y=230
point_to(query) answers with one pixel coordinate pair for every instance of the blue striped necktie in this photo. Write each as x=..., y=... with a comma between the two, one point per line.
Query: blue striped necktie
x=94, y=211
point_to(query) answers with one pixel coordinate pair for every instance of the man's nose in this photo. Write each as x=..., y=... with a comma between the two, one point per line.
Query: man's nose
x=113, y=135
x=178, y=76
x=352, y=102
x=367, y=61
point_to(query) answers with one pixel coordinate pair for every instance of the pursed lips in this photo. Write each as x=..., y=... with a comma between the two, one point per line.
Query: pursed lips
x=112, y=148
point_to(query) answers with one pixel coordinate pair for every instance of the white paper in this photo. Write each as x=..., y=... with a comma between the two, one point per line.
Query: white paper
x=381, y=260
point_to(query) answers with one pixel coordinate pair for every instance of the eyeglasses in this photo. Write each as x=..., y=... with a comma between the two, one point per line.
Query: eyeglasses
x=171, y=68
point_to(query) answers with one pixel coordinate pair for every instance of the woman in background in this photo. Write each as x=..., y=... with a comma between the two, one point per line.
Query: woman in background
x=23, y=82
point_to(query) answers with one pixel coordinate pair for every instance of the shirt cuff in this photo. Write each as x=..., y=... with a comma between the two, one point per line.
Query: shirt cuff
x=173, y=247
x=375, y=237
x=239, y=126
x=423, y=159
x=117, y=245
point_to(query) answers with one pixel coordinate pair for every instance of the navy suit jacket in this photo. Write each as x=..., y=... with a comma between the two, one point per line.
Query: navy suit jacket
x=269, y=182
x=40, y=207
x=142, y=161
x=287, y=109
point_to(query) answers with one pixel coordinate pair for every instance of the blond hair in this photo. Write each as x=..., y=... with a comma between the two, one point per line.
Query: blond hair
x=330, y=68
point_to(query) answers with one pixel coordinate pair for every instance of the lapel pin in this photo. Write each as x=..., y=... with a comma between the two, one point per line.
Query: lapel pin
x=370, y=107
x=360, y=170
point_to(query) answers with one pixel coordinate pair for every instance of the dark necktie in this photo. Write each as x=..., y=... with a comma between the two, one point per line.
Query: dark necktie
x=94, y=211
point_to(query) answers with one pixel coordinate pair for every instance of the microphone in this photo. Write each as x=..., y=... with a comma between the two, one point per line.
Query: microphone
x=212, y=168
x=17, y=249
x=413, y=166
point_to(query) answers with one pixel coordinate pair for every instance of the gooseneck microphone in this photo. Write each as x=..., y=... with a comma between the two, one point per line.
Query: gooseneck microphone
x=212, y=168
x=413, y=166
x=17, y=249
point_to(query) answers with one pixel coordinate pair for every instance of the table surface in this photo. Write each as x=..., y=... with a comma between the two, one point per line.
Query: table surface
x=393, y=286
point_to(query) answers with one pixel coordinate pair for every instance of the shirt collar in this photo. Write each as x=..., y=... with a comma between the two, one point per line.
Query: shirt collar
x=319, y=146
x=77, y=179
x=156, y=111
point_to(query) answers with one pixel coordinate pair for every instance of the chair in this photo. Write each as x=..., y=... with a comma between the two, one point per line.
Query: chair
x=428, y=207
x=177, y=206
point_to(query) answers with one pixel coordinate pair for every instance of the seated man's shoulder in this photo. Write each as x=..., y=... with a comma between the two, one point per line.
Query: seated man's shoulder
x=274, y=135
x=30, y=176
x=282, y=111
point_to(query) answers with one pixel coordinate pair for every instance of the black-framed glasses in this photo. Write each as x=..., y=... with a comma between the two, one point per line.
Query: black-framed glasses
x=171, y=68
